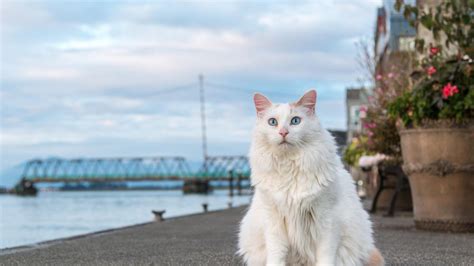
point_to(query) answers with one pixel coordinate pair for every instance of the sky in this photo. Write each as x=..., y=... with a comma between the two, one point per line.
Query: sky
x=120, y=78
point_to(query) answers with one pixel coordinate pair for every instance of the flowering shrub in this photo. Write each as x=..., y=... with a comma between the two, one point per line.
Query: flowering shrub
x=381, y=132
x=380, y=128
x=355, y=150
x=443, y=85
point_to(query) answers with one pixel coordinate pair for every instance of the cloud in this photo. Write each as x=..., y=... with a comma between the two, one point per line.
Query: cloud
x=77, y=73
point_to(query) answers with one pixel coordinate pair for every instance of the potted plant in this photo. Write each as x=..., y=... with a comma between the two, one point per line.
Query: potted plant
x=435, y=118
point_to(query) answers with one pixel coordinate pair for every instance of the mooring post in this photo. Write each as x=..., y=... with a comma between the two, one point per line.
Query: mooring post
x=158, y=215
x=229, y=204
x=231, y=183
x=239, y=186
x=204, y=207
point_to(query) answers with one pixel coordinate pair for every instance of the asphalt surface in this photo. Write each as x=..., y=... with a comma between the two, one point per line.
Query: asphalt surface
x=211, y=239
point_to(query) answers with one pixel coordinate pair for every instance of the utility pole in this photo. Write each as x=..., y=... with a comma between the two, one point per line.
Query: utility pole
x=203, y=120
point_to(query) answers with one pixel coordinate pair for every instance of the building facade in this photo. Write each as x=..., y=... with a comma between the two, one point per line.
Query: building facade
x=356, y=101
x=394, y=37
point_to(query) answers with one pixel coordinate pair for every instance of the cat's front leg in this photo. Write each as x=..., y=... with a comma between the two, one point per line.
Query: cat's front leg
x=276, y=242
x=326, y=245
x=276, y=236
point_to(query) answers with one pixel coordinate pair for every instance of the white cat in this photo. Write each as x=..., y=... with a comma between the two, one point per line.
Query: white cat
x=305, y=210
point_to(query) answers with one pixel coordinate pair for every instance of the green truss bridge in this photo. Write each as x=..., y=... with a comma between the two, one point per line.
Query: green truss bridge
x=223, y=168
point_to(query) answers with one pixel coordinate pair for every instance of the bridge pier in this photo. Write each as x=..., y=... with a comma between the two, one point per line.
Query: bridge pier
x=239, y=185
x=200, y=186
x=231, y=183
x=25, y=188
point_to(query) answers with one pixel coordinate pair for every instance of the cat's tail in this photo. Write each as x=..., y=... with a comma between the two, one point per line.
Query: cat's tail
x=375, y=258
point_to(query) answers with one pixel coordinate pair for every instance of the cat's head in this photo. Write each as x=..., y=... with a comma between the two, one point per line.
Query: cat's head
x=286, y=126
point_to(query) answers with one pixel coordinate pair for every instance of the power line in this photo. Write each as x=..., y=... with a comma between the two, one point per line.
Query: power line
x=232, y=87
x=229, y=87
x=152, y=92
x=177, y=88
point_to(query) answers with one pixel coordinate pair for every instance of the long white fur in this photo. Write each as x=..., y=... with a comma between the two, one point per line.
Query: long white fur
x=305, y=210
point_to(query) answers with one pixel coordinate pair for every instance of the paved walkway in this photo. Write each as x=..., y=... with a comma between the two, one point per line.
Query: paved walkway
x=210, y=239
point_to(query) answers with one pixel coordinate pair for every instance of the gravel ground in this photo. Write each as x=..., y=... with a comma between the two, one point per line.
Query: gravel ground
x=210, y=239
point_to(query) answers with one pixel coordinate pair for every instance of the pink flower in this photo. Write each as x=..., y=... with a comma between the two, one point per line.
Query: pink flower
x=391, y=75
x=370, y=133
x=363, y=109
x=449, y=90
x=431, y=70
x=434, y=50
x=369, y=125
x=378, y=77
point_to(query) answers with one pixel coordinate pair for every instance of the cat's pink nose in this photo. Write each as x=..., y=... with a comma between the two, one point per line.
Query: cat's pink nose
x=283, y=132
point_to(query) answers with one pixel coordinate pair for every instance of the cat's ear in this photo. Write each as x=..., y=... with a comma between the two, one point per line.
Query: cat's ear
x=261, y=103
x=308, y=100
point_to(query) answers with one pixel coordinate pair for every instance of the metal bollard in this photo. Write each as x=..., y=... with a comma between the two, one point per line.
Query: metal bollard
x=158, y=215
x=204, y=206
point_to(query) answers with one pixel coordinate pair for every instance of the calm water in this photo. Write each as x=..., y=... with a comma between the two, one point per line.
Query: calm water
x=52, y=215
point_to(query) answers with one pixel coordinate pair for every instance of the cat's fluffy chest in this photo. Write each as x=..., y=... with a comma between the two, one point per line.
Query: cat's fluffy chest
x=287, y=180
x=293, y=193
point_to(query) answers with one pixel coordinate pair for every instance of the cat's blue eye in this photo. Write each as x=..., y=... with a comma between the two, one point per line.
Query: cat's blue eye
x=272, y=122
x=295, y=120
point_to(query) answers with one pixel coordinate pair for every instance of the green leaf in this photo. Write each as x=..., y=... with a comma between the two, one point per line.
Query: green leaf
x=427, y=21
x=398, y=5
x=420, y=45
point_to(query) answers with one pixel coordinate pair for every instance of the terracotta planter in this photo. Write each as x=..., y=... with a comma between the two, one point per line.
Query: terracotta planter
x=440, y=165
